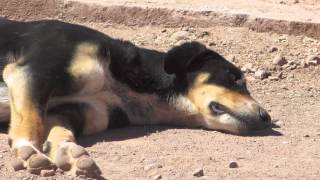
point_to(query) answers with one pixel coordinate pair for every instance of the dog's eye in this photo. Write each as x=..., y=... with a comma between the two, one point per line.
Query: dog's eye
x=216, y=108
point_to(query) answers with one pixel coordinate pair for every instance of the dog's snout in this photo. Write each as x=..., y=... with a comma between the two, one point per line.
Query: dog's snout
x=264, y=115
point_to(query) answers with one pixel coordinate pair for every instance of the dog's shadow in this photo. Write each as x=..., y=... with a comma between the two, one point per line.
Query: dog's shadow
x=132, y=132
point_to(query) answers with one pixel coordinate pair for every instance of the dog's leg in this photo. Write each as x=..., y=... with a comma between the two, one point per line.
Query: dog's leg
x=64, y=152
x=26, y=131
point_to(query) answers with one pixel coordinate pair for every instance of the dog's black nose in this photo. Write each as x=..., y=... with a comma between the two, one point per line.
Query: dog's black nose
x=264, y=116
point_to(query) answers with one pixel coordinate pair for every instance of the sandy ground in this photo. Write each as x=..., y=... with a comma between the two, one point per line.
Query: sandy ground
x=290, y=151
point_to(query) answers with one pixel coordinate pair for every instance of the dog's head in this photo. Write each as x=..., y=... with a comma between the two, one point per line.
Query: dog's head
x=216, y=89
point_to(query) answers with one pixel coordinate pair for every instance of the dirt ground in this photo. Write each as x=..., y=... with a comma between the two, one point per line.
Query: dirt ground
x=291, y=150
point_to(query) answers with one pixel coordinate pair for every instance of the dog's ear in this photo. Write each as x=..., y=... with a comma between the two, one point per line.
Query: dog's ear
x=184, y=58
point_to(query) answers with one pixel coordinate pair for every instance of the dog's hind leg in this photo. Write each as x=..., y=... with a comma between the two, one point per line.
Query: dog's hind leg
x=26, y=131
x=63, y=123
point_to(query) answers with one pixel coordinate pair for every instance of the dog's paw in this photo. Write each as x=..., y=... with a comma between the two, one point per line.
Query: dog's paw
x=74, y=160
x=28, y=157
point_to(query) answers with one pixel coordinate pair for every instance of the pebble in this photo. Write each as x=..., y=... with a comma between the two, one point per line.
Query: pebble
x=233, y=164
x=248, y=68
x=273, y=78
x=203, y=34
x=157, y=177
x=292, y=67
x=273, y=49
x=151, y=166
x=47, y=173
x=306, y=135
x=313, y=60
x=261, y=74
x=212, y=44
x=279, y=60
x=198, y=172
x=180, y=35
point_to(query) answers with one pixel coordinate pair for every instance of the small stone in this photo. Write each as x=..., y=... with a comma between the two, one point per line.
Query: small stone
x=261, y=74
x=273, y=49
x=233, y=165
x=212, y=44
x=203, y=34
x=273, y=78
x=150, y=166
x=307, y=135
x=157, y=177
x=248, y=68
x=180, y=35
x=282, y=2
x=47, y=173
x=292, y=67
x=295, y=1
x=198, y=172
x=279, y=60
x=164, y=30
x=313, y=60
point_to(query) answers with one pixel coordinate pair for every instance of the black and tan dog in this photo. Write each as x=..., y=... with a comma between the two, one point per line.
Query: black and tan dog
x=63, y=80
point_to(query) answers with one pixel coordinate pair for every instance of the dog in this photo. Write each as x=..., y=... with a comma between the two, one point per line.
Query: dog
x=61, y=81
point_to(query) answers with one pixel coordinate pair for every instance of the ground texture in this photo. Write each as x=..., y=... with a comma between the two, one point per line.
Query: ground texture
x=291, y=94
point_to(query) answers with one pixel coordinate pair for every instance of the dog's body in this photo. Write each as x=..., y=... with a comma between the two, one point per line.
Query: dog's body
x=65, y=80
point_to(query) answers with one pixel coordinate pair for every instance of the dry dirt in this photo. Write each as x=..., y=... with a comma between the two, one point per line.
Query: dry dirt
x=290, y=151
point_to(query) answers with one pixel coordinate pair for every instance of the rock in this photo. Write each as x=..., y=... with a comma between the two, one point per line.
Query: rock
x=47, y=173
x=261, y=74
x=212, y=44
x=233, y=164
x=279, y=60
x=248, y=68
x=295, y=1
x=273, y=49
x=313, y=60
x=180, y=35
x=292, y=67
x=164, y=30
x=198, y=172
x=306, y=135
x=273, y=78
x=151, y=166
x=157, y=177
x=203, y=34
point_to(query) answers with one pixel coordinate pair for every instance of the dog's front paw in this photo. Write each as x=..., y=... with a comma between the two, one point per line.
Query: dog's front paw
x=30, y=158
x=75, y=160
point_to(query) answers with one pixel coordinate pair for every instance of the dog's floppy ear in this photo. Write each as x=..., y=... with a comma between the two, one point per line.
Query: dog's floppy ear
x=179, y=59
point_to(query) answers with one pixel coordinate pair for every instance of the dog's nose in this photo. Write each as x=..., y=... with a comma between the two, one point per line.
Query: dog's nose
x=264, y=116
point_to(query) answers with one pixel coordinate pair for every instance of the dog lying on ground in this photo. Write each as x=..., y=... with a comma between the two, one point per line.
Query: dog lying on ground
x=64, y=80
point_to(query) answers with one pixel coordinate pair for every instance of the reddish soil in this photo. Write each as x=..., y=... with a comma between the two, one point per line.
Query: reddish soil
x=290, y=151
